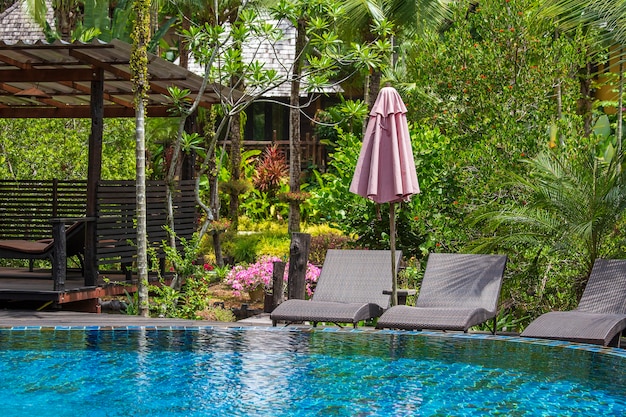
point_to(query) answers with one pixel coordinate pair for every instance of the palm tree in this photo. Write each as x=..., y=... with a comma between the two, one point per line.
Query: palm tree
x=572, y=203
x=409, y=16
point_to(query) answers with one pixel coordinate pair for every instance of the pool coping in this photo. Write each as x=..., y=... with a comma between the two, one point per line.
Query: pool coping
x=16, y=320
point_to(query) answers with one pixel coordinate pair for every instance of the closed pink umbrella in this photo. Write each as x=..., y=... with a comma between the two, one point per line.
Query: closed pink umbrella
x=385, y=171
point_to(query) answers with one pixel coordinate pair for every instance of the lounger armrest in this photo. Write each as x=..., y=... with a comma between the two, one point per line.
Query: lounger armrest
x=402, y=294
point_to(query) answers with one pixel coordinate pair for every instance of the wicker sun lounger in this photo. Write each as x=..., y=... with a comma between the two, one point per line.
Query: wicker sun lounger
x=349, y=289
x=601, y=314
x=44, y=248
x=458, y=291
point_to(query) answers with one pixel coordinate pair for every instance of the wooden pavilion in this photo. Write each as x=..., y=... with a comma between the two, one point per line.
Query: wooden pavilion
x=79, y=80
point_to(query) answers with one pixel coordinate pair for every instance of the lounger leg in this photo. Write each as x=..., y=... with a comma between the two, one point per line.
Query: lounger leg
x=616, y=340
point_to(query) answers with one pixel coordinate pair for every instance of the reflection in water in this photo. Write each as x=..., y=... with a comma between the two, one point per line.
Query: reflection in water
x=264, y=372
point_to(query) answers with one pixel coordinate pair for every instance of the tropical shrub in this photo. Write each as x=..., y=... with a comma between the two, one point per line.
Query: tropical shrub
x=321, y=243
x=569, y=208
x=271, y=171
x=259, y=274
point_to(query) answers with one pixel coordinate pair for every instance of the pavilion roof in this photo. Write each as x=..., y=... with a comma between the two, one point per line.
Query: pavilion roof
x=41, y=79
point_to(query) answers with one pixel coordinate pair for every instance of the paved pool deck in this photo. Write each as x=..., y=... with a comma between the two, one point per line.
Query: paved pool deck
x=55, y=319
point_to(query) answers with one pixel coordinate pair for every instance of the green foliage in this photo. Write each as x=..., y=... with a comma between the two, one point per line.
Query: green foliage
x=217, y=314
x=572, y=204
x=346, y=117
x=321, y=243
x=192, y=300
x=248, y=247
x=164, y=301
x=491, y=105
x=245, y=249
x=57, y=148
x=184, y=260
x=331, y=197
x=132, y=303
x=259, y=205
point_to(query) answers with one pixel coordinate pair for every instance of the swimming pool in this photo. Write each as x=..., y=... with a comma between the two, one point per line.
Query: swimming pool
x=262, y=371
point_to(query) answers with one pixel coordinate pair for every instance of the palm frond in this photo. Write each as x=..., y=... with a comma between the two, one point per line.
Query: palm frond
x=571, y=203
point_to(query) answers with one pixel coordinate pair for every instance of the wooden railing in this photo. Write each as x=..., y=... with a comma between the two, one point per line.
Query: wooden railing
x=313, y=152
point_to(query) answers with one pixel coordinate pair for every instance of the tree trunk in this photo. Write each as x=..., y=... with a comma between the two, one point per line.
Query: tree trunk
x=140, y=187
x=585, y=102
x=235, y=169
x=298, y=262
x=374, y=87
x=217, y=249
x=215, y=210
x=295, y=146
x=139, y=66
x=620, y=103
x=183, y=47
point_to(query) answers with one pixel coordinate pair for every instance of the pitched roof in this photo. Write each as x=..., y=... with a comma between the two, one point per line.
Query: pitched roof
x=17, y=25
x=64, y=73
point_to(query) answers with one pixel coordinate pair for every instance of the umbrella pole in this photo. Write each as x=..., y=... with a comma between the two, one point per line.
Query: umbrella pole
x=392, y=244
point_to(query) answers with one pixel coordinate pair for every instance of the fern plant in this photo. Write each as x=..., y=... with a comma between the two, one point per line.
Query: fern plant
x=567, y=202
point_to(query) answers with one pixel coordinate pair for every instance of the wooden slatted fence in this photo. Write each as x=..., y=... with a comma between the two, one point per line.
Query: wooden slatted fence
x=26, y=207
x=117, y=234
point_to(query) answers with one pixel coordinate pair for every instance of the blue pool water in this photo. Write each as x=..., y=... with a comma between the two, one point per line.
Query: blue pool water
x=279, y=372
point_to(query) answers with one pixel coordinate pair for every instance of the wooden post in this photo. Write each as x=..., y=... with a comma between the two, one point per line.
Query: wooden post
x=94, y=170
x=298, y=260
x=278, y=281
x=59, y=257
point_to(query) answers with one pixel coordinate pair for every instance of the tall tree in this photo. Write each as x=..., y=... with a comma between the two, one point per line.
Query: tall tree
x=316, y=43
x=141, y=86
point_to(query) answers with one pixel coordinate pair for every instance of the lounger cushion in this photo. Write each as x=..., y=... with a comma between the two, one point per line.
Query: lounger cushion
x=418, y=318
x=601, y=313
x=349, y=289
x=323, y=311
x=577, y=326
x=26, y=246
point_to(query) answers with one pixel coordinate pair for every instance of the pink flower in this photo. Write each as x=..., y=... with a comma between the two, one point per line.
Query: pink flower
x=247, y=278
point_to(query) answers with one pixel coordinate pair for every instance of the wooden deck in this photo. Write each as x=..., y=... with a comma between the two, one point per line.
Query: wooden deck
x=19, y=287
